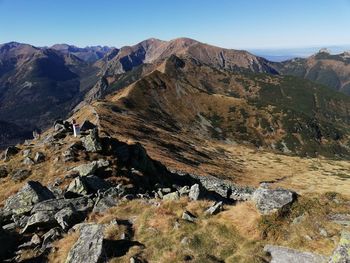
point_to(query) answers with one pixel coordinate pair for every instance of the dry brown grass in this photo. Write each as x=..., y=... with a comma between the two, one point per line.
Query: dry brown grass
x=62, y=248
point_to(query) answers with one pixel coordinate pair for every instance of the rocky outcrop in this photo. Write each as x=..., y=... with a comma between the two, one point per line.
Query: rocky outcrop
x=342, y=252
x=10, y=152
x=90, y=168
x=270, y=200
x=287, y=255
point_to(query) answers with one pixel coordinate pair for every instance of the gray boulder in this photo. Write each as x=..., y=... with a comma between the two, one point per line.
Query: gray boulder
x=89, y=246
x=81, y=204
x=171, y=196
x=39, y=157
x=3, y=171
x=24, y=200
x=10, y=152
x=270, y=200
x=27, y=152
x=90, y=168
x=188, y=216
x=342, y=252
x=42, y=219
x=85, y=186
x=67, y=217
x=287, y=255
x=194, y=192
x=108, y=198
x=50, y=236
x=92, y=142
x=214, y=209
x=28, y=161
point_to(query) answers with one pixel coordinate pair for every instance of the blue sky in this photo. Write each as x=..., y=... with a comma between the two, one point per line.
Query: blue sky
x=244, y=24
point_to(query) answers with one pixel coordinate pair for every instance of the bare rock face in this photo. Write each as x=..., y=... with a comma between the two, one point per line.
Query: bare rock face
x=287, y=255
x=270, y=200
x=89, y=247
x=342, y=252
x=24, y=200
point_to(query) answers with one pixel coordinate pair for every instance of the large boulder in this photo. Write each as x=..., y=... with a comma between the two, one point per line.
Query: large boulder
x=194, y=192
x=287, y=255
x=40, y=219
x=24, y=200
x=90, y=168
x=89, y=246
x=92, y=142
x=68, y=216
x=81, y=204
x=268, y=200
x=342, y=252
x=85, y=185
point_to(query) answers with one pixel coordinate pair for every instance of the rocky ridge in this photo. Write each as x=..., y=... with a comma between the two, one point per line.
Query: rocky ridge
x=103, y=172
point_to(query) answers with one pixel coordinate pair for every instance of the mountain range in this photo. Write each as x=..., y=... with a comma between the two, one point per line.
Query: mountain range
x=185, y=86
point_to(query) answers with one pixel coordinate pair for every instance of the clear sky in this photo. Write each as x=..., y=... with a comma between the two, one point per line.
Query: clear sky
x=242, y=24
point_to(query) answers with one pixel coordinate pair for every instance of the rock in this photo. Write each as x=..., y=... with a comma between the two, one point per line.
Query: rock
x=24, y=200
x=298, y=219
x=3, y=171
x=87, y=125
x=92, y=142
x=323, y=232
x=67, y=217
x=42, y=219
x=36, y=240
x=188, y=216
x=214, y=209
x=270, y=200
x=27, y=152
x=81, y=204
x=20, y=220
x=184, y=190
x=194, y=192
x=108, y=198
x=10, y=152
x=50, y=236
x=39, y=157
x=28, y=161
x=342, y=252
x=224, y=188
x=287, y=255
x=76, y=187
x=171, y=196
x=90, y=168
x=86, y=185
x=20, y=175
x=341, y=219
x=89, y=246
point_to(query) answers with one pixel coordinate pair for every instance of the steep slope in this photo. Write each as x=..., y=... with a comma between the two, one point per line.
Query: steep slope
x=324, y=68
x=38, y=85
x=287, y=114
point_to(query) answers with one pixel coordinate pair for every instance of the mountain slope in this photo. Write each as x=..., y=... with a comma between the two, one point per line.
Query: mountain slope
x=38, y=85
x=88, y=54
x=287, y=114
x=324, y=68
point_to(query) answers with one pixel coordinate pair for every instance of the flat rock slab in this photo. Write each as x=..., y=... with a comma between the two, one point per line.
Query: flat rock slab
x=89, y=247
x=270, y=200
x=287, y=255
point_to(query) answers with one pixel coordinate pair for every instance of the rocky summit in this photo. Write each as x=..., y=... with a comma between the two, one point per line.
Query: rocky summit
x=171, y=151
